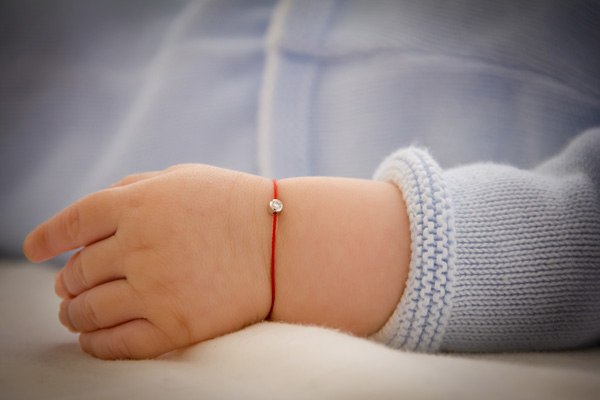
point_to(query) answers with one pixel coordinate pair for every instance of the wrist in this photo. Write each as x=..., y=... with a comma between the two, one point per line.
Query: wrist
x=251, y=197
x=342, y=254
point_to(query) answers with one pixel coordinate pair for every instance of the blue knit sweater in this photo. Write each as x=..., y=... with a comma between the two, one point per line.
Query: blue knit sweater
x=502, y=258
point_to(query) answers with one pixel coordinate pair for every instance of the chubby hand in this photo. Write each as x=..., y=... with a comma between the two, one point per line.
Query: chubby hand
x=166, y=259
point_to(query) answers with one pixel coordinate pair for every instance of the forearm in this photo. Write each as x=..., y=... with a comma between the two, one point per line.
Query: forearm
x=342, y=253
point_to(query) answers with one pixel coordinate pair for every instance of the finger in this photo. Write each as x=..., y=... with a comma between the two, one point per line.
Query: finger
x=128, y=180
x=91, y=266
x=136, y=339
x=134, y=178
x=102, y=307
x=86, y=221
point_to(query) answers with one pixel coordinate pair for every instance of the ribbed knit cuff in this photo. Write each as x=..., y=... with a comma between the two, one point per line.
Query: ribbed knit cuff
x=421, y=318
x=510, y=264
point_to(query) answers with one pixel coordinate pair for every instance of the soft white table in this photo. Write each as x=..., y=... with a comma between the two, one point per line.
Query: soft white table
x=40, y=359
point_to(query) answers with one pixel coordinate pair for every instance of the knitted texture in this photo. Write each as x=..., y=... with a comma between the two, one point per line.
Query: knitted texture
x=521, y=268
x=420, y=321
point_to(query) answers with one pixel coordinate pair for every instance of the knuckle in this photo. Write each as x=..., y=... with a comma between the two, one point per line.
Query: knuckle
x=178, y=331
x=80, y=280
x=71, y=223
x=127, y=180
x=90, y=314
x=73, y=278
x=119, y=347
x=136, y=198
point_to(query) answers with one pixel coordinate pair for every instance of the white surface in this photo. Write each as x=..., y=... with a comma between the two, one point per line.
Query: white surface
x=40, y=359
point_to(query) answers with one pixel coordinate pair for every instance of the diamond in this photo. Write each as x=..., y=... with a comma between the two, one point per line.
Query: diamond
x=276, y=205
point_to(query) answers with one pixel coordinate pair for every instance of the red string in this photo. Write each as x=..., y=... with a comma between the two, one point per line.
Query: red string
x=273, y=253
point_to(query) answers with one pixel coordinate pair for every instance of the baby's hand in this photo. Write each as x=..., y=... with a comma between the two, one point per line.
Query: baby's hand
x=169, y=259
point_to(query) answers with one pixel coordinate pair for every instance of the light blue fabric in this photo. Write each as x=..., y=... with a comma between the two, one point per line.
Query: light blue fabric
x=90, y=93
x=503, y=259
x=507, y=81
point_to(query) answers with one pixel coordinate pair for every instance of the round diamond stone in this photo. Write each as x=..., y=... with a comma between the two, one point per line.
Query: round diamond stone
x=276, y=205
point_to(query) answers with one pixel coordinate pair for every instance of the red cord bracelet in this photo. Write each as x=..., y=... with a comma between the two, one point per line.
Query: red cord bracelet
x=276, y=206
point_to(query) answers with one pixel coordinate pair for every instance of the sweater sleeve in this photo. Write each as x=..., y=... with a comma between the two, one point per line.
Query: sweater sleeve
x=502, y=259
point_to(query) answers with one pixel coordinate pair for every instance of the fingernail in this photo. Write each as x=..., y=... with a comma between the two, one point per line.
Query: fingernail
x=63, y=316
x=59, y=287
x=27, y=248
